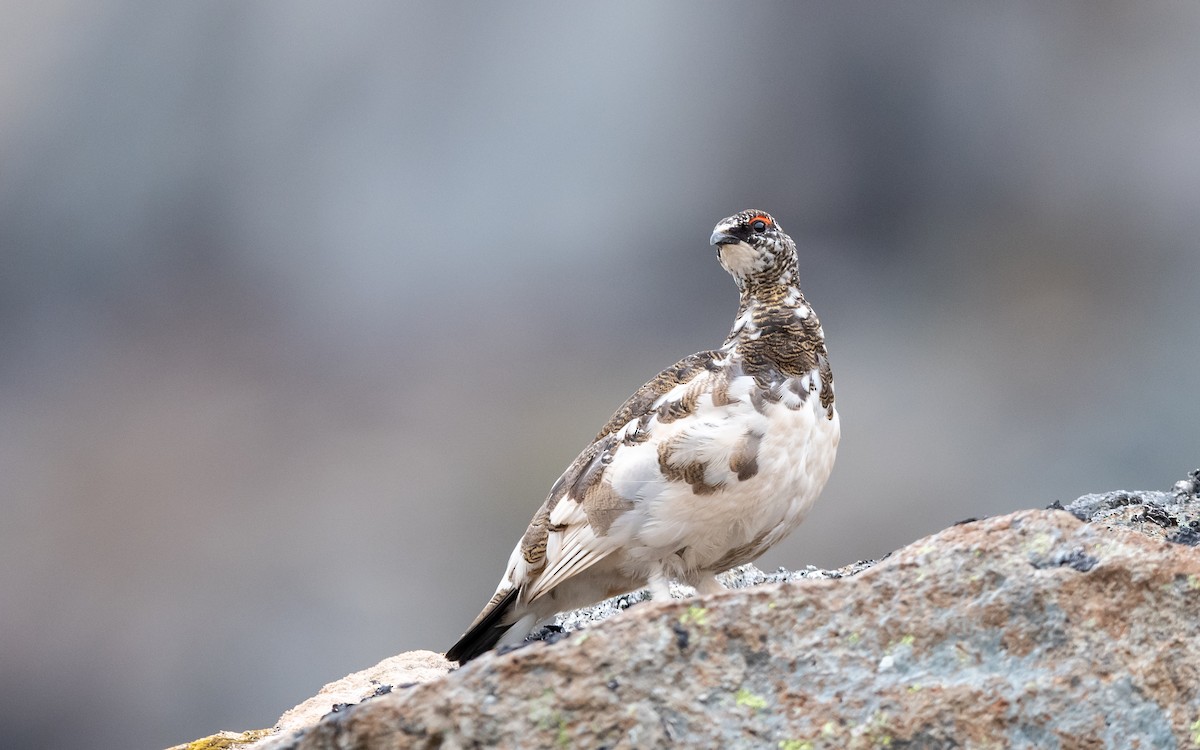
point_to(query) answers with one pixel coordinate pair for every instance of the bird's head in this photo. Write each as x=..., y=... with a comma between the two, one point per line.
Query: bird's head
x=754, y=249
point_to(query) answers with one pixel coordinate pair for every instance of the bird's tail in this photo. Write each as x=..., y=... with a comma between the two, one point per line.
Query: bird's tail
x=486, y=632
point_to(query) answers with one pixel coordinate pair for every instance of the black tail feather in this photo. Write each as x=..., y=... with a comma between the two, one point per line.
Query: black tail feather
x=484, y=635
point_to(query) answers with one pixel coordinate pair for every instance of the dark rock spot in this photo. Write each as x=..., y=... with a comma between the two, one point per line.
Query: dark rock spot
x=1189, y=535
x=1157, y=515
x=755, y=659
x=548, y=634
x=1080, y=561
x=681, y=636
x=1076, y=559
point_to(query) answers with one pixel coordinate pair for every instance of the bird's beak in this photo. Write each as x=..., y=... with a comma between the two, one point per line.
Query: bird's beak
x=722, y=238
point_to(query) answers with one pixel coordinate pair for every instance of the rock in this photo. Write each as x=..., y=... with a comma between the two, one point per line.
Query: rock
x=395, y=673
x=1174, y=515
x=224, y=740
x=1034, y=629
x=741, y=577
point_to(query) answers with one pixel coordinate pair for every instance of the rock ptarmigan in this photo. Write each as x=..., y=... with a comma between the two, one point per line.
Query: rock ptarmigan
x=704, y=468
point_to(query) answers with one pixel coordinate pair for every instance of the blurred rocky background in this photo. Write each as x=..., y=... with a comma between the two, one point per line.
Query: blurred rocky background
x=304, y=307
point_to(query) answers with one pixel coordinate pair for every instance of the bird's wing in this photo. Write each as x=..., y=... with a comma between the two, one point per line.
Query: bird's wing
x=577, y=515
x=569, y=534
x=642, y=402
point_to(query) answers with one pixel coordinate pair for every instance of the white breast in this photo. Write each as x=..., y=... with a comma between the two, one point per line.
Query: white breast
x=795, y=447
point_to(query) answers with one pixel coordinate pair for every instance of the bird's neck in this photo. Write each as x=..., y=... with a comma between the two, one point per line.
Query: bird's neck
x=776, y=331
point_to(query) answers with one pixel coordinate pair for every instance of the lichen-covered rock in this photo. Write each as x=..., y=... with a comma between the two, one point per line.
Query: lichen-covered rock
x=1174, y=515
x=1031, y=630
x=741, y=577
x=398, y=672
x=225, y=740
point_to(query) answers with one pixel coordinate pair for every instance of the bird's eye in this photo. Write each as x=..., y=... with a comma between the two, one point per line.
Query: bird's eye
x=760, y=224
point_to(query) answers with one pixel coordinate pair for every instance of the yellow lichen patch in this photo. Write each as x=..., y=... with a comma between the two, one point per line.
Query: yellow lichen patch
x=750, y=700
x=695, y=615
x=795, y=745
x=1041, y=543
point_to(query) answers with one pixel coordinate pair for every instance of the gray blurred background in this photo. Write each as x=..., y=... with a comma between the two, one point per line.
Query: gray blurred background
x=303, y=308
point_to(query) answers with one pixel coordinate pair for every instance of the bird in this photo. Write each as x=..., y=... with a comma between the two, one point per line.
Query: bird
x=704, y=468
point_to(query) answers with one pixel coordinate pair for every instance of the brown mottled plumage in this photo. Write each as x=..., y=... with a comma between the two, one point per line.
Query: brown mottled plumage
x=702, y=469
